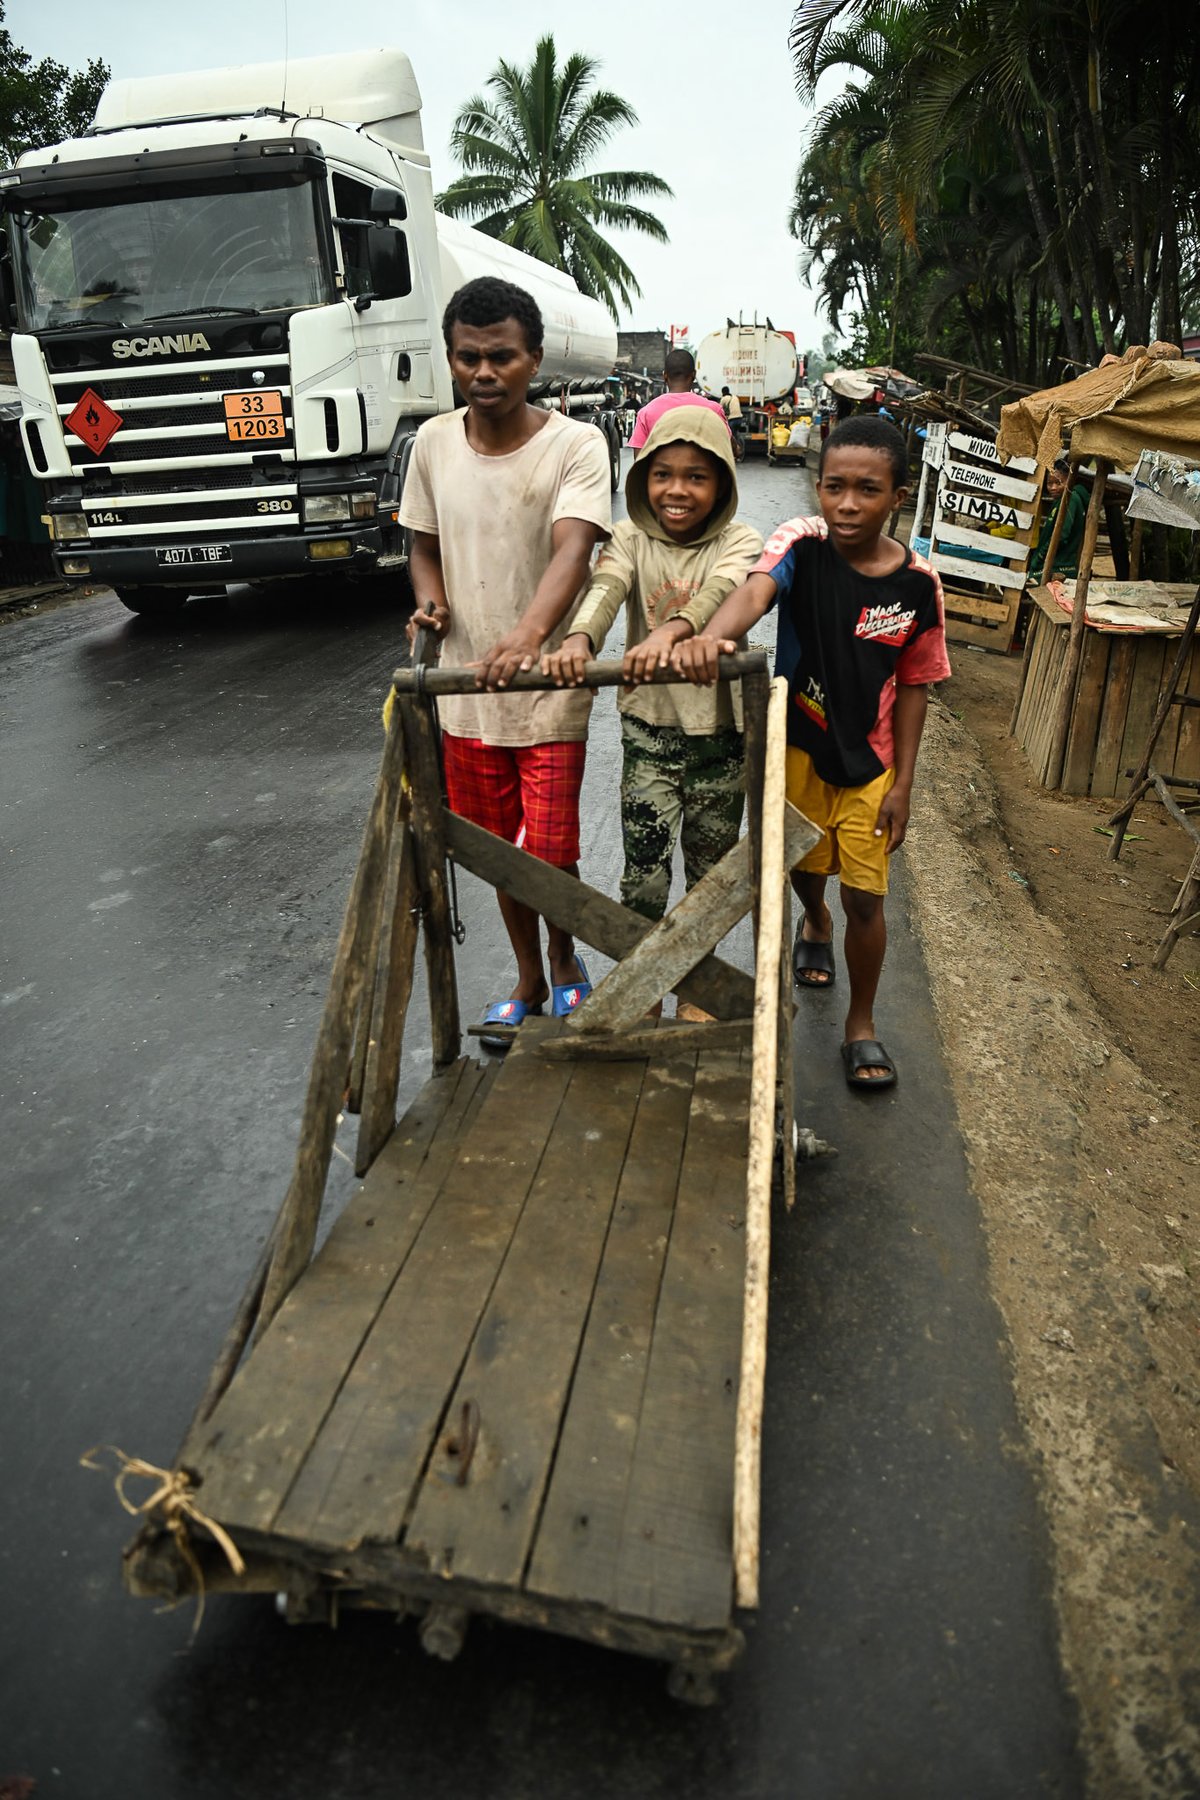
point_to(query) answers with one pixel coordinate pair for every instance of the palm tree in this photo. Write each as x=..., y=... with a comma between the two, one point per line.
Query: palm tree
x=1042, y=161
x=525, y=152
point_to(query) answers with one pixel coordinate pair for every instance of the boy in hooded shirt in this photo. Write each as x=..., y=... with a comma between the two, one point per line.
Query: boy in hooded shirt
x=670, y=564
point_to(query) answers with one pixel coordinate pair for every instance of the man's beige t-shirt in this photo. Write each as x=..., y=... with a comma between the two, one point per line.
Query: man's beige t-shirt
x=493, y=517
x=732, y=406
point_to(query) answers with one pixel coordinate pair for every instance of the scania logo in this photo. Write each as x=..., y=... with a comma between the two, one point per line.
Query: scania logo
x=184, y=345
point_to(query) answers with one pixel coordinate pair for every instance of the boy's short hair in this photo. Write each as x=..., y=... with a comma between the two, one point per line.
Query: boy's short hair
x=679, y=362
x=489, y=301
x=867, y=431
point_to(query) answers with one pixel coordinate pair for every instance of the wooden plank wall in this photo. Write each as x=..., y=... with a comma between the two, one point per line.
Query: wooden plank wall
x=1121, y=679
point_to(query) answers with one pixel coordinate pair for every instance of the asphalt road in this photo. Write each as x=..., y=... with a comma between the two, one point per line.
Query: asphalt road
x=181, y=813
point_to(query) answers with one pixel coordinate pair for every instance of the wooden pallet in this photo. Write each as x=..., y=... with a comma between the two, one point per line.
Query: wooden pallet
x=523, y=1376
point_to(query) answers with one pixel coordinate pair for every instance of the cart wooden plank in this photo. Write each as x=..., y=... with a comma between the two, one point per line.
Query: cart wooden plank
x=478, y=1522
x=681, y=940
x=676, y=1554
x=359, y=1481
x=578, y=1542
x=248, y=1452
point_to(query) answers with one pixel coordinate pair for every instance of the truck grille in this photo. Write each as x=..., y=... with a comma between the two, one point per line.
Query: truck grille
x=191, y=416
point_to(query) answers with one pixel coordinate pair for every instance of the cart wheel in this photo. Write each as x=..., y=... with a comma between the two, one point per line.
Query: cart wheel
x=692, y=1683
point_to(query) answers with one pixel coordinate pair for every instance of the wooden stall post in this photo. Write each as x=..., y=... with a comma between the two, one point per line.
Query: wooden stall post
x=1047, y=572
x=760, y=1158
x=1135, y=550
x=1065, y=702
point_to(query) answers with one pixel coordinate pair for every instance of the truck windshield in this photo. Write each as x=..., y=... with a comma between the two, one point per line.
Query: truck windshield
x=156, y=255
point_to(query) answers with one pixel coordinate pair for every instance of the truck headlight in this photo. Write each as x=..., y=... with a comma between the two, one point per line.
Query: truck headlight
x=326, y=509
x=362, y=506
x=68, y=525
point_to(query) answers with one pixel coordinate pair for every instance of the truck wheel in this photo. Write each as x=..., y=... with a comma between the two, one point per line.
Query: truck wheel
x=153, y=603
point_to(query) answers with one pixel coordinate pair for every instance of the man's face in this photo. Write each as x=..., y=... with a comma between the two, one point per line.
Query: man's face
x=856, y=495
x=493, y=366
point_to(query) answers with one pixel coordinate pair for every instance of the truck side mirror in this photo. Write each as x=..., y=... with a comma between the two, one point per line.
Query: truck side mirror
x=390, y=273
x=387, y=203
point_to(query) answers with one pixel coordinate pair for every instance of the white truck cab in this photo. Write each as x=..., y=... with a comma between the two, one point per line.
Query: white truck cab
x=228, y=298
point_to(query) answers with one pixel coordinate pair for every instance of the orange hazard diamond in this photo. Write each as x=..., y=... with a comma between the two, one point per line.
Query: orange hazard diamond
x=93, y=420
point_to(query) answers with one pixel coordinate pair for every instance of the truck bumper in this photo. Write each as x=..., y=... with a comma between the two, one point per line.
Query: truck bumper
x=143, y=565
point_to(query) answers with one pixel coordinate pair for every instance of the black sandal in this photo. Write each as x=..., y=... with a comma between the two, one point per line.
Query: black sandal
x=867, y=1053
x=809, y=955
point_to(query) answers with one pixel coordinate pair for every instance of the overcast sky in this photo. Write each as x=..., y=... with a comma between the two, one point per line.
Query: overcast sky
x=711, y=83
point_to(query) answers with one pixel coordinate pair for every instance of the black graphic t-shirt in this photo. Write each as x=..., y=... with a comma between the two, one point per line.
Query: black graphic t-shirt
x=844, y=641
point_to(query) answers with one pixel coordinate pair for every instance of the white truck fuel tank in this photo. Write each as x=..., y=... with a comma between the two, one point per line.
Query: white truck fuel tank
x=755, y=362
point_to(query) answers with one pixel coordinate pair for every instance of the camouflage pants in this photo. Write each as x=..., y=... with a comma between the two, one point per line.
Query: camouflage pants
x=675, y=786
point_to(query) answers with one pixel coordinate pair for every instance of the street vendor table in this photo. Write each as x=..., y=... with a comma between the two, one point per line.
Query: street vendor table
x=1131, y=634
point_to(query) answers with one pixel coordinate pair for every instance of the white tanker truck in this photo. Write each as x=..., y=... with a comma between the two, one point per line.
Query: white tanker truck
x=755, y=362
x=227, y=300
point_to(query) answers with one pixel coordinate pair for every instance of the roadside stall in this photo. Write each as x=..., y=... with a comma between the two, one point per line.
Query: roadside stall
x=1103, y=659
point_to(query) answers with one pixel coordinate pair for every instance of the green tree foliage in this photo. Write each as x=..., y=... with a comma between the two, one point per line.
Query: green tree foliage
x=1013, y=182
x=526, y=149
x=44, y=102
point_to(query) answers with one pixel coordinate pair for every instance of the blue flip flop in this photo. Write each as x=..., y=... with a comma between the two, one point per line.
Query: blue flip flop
x=505, y=1012
x=571, y=994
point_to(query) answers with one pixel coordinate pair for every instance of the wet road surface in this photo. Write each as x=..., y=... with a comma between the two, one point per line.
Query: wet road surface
x=181, y=811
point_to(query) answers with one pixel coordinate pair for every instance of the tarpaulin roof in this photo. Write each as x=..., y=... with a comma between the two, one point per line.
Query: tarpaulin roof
x=851, y=384
x=1115, y=412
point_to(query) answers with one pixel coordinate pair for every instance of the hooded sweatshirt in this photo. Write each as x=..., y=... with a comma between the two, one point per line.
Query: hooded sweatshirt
x=643, y=569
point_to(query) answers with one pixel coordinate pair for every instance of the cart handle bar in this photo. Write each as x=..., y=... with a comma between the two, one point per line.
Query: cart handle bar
x=596, y=675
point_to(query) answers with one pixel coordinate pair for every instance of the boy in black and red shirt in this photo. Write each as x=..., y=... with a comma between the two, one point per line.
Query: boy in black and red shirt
x=861, y=634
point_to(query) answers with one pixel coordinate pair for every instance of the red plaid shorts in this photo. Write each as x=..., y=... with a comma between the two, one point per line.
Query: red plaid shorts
x=529, y=796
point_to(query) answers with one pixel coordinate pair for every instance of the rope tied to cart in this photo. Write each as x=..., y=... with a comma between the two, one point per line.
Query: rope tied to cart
x=174, y=1499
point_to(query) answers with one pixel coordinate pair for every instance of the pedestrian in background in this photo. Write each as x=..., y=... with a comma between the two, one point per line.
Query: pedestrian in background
x=679, y=370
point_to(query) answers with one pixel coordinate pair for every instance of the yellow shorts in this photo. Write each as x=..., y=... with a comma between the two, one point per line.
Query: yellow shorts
x=848, y=846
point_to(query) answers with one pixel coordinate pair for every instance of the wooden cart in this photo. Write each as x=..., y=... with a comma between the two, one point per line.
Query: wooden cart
x=523, y=1376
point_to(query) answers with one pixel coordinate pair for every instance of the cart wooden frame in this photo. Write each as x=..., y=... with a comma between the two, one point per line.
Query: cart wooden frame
x=523, y=1375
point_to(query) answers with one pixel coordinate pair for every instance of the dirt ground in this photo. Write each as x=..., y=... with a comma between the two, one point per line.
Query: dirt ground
x=1075, y=1065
